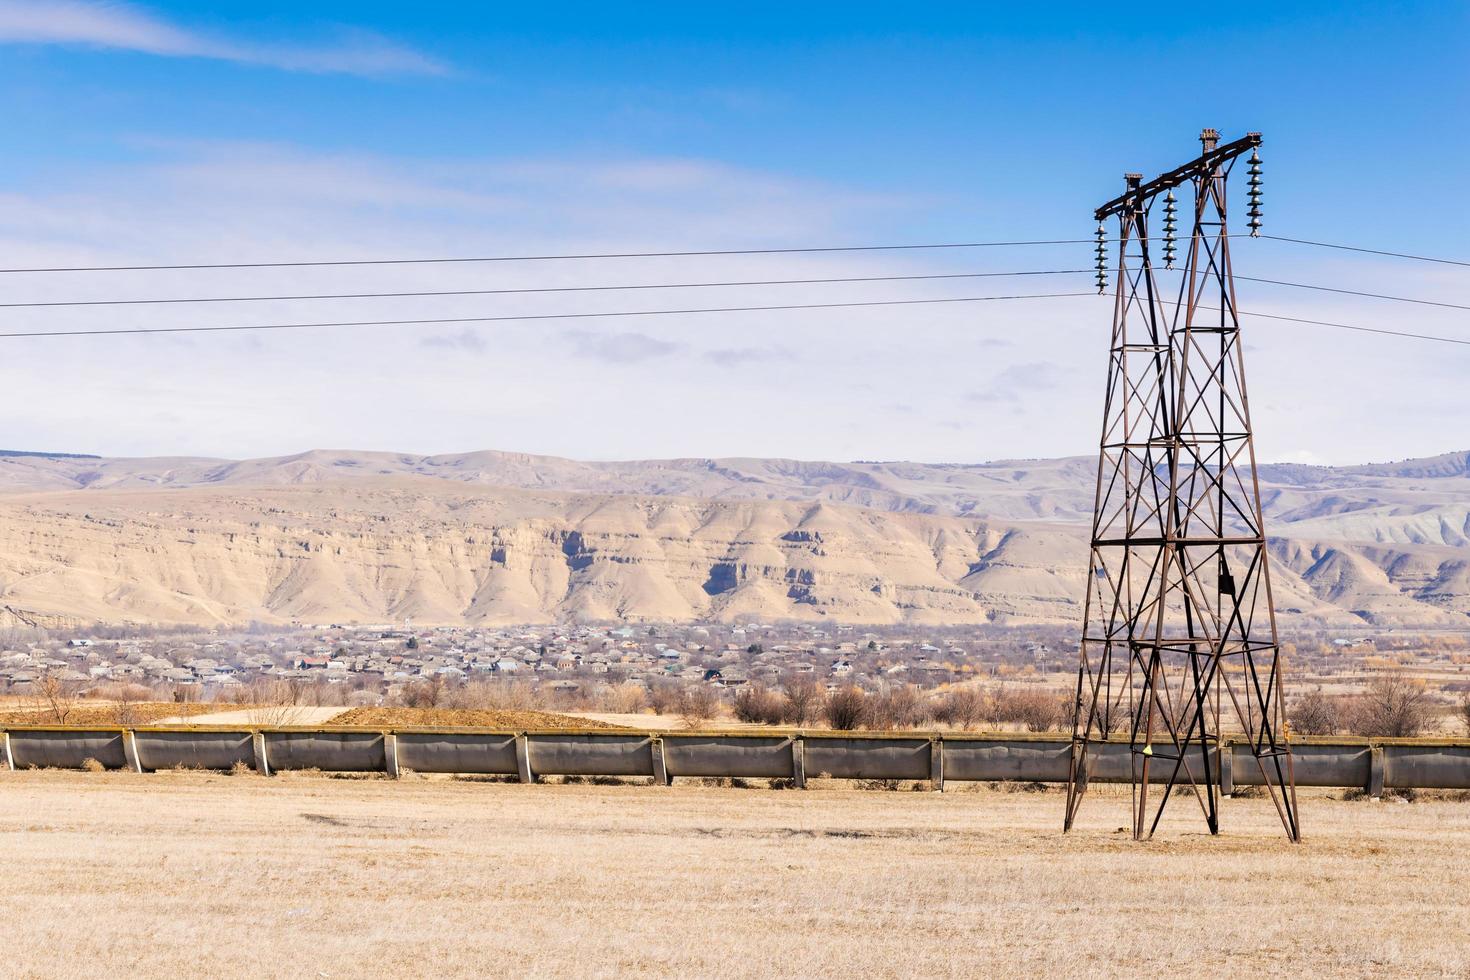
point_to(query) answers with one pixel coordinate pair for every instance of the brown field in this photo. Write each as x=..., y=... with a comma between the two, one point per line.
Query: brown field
x=27, y=711
x=190, y=874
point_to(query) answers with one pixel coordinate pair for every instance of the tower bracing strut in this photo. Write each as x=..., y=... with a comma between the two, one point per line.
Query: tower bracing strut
x=1179, y=646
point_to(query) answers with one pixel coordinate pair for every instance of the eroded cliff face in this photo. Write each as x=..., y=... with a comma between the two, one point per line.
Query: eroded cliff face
x=443, y=552
x=319, y=553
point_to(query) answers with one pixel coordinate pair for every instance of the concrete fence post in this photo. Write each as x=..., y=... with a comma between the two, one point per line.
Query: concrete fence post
x=798, y=761
x=130, y=750
x=1227, y=768
x=262, y=760
x=936, y=764
x=1376, y=772
x=9, y=759
x=523, y=759
x=390, y=755
x=660, y=769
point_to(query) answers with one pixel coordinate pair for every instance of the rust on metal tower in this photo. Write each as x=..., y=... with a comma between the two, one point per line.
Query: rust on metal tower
x=1179, y=647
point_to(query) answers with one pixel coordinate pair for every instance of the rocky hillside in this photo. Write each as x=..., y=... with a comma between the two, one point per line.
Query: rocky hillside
x=500, y=537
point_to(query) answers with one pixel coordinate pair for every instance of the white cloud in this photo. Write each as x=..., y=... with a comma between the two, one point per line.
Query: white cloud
x=125, y=27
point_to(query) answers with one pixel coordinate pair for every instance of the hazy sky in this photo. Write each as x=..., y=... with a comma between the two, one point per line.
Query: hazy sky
x=287, y=131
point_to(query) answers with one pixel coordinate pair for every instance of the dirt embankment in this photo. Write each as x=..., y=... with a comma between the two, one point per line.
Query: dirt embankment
x=462, y=718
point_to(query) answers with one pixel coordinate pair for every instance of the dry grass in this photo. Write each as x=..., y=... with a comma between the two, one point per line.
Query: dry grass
x=461, y=718
x=208, y=875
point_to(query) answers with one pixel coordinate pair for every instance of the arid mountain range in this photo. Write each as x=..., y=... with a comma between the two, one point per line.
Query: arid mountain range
x=491, y=537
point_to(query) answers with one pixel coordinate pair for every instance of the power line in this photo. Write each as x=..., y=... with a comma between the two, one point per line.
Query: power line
x=671, y=285
x=1350, y=292
x=1369, y=251
x=546, y=258
x=717, y=309
x=542, y=289
x=1348, y=326
x=539, y=316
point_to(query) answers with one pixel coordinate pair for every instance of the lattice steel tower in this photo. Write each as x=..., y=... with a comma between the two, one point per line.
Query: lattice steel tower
x=1179, y=620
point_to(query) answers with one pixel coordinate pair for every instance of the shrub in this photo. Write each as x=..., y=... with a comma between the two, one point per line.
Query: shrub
x=896, y=707
x=1314, y=714
x=1035, y=711
x=963, y=708
x=846, y=708
x=625, y=699
x=758, y=705
x=92, y=765
x=663, y=698
x=1394, y=706
x=697, y=704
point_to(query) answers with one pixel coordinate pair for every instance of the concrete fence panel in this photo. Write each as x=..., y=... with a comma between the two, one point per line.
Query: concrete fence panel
x=737, y=756
x=879, y=757
x=328, y=751
x=1314, y=765
x=590, y=755
x=1426, y=766
x=478, y=752
x=194, y=750
x=1346, y=762
x=67, y=749
x=984, y=760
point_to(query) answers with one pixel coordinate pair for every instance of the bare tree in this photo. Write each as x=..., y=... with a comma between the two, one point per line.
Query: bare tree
x=897, y=707
x=275, y=704
x=663, y=697
x=697, y=704
x=1395, y=705
x=1314, y=714
x=846, y=708
x=54, y=697
x=1465, y=711
x=625, y=699
x=963, y=708
x=1035, y=711
x=125, y=699
x=803, y=699
x=759, y=706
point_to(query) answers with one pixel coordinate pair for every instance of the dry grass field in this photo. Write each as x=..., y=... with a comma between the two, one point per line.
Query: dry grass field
x=190, y=874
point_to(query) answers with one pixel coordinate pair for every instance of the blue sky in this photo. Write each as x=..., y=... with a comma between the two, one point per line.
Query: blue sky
x=172, y=131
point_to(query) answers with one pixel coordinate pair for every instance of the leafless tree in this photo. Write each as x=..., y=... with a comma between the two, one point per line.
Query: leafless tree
x=697, y=704
x=803, y=698
x=846, y=708
x=758, y=705
x=963, y=708
x=1314, y=714
x=54, y=697
x=1395, y=705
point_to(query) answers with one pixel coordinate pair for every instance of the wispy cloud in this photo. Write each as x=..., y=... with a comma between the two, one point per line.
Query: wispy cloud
x=124, y=27
x=619, y=348
x=738, y=356
x=465, y=340
x=1014, y=383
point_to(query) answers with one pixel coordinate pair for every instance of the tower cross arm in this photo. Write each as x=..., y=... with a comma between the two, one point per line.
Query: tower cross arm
x=1205, y=163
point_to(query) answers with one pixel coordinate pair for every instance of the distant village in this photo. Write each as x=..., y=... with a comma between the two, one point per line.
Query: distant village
x=571, y=665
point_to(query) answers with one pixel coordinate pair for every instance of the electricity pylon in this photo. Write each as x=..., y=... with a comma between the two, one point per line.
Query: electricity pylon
x=1178, y=620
